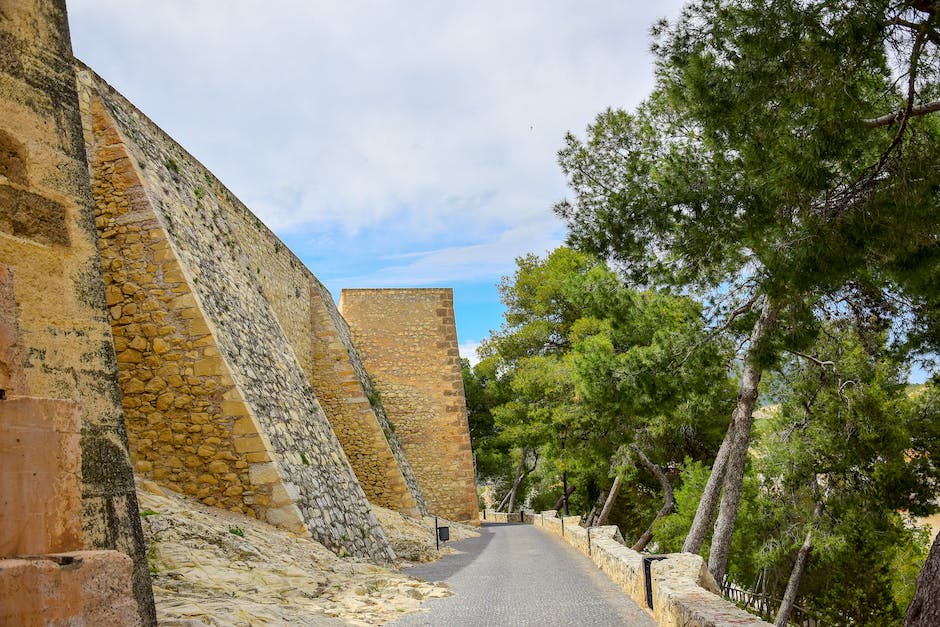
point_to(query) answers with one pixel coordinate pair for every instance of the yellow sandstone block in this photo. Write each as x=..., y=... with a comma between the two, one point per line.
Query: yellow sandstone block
x=207, y=366
x=160, y=346
x=249, y=444
x=198, y=327
x=234, y=408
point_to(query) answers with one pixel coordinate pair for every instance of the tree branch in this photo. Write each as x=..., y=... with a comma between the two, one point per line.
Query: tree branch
x=743, y=309
x=897, y=116
x=819, y=362
x=669, y=500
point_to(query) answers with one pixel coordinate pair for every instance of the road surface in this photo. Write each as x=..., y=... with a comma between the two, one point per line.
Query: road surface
x=516, y=574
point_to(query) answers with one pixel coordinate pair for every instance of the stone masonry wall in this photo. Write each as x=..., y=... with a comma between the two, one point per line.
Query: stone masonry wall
x=408, y=342
x=203, y=225
x=188, y=426
x=55, y=341
x=355, y=421
x=308, y=315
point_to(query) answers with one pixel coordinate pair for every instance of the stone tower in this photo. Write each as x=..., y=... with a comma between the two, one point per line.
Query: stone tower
x=408, y=342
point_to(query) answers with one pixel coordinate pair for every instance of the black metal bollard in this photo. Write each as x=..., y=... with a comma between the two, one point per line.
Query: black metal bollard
x=648, y=577
x=589, y=541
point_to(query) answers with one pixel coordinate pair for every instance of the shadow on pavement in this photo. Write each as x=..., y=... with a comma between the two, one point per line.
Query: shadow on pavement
x=447, y=566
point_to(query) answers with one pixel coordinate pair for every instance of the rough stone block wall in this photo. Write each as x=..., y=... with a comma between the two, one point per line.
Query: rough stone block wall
x=188, y=426
x=407, y=339
x=362, y=429
x=256, y=366
x=55, y=340
x=320, y=339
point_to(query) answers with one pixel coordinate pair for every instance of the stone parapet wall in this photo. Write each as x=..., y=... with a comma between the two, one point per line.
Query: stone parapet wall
x=408, y=342
x=249, y=362
x=683, y=591
x=55, y=340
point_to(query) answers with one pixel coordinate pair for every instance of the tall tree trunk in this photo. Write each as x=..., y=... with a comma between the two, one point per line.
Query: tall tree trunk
x=796, y=575
x=502, y=503
x=522, y=471
x=708, y=502
x=609, y=504
x=669, y=500
x=511, y=497
x=591, y=519
x=564, y=497
x=924, y=610
x=737, y=451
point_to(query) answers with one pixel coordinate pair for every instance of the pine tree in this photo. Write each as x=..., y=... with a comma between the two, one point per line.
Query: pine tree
x=786, y=161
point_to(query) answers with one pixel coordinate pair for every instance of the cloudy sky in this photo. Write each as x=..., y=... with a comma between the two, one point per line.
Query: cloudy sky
x=389, y=144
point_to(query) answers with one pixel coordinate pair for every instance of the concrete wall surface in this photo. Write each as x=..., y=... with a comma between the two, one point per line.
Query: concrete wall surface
x=684, y=594
x=90, y=588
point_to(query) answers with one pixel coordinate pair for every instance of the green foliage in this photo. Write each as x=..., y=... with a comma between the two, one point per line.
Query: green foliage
x=850, y=435
x=751, y=174
x=576, y=373
x=235, y=530
x=303, y=459
x=750, y=161
x=670, y=531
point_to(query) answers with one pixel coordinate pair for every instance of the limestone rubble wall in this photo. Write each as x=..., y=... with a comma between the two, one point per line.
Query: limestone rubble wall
x=343, y=388
x=55, y=340
x=683, y=592
x=256, y=364
x=407, y=339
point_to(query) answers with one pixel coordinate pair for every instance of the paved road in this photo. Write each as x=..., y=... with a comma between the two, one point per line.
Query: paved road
x=517, y=574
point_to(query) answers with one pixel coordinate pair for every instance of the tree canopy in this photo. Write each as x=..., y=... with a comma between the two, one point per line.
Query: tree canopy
x=784, y=168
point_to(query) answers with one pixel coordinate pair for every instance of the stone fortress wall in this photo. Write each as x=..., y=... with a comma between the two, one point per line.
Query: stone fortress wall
x=346, y=392
x=301, y=307
x=216, y=342
x=408, y=342
x=66, y=481
x=150, y=322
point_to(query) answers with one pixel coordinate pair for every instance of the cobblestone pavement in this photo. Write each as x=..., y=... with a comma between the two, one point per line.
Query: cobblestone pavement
x=520, y=575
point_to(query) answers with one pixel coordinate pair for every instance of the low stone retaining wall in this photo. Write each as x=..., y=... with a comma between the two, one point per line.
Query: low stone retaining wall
x=682, y=590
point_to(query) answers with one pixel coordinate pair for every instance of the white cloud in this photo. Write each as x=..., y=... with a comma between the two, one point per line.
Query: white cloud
x=341, y=113
x=420, y=134
x=463, y=263
x=468, y=350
